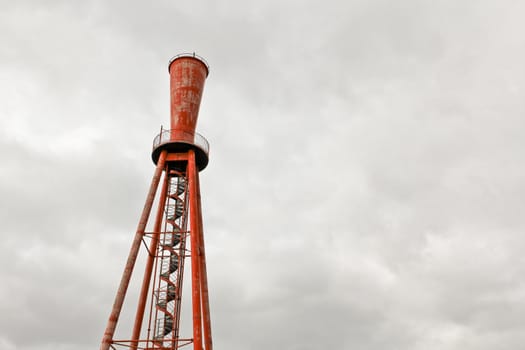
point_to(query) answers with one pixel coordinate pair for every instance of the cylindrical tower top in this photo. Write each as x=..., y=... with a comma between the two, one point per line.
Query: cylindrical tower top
x=187, y=75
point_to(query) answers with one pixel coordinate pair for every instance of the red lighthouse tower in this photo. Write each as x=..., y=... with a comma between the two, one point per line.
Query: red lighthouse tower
x=179, y=154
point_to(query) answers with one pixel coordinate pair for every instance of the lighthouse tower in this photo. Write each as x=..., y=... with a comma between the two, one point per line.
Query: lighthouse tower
x=179, y=154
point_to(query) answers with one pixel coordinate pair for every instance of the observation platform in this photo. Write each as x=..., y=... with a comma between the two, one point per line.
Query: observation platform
x=181, y=143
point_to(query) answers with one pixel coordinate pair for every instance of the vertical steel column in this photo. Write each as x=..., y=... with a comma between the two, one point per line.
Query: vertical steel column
x=149, y=264
x=195, y=219
x=203, y=274
x=132, y=257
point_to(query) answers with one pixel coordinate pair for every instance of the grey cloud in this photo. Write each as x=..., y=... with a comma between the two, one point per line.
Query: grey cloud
x=365, y=185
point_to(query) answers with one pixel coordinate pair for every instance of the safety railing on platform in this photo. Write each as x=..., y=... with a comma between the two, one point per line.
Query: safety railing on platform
x=167, y=136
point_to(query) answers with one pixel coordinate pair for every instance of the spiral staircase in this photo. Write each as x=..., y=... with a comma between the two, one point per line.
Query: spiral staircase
x=172, y=251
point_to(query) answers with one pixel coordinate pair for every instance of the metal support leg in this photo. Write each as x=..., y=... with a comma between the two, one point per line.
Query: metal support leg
x=203, y=276
x=149, y=265
x=195, y=224
x=132, y=258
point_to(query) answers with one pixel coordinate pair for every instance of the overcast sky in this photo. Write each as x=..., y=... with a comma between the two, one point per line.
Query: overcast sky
x=366, y=181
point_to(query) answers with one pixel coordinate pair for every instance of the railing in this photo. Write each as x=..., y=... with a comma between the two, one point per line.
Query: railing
x=166, y=136
x=187, y=54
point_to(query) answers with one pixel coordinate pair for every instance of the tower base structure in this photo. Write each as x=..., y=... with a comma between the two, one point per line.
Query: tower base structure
x=177, y=235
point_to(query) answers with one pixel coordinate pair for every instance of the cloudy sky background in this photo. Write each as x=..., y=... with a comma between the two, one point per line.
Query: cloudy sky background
x=365, y=188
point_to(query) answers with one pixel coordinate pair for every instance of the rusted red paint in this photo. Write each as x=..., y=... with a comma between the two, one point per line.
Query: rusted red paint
x=187, y=76
x=195, y=224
